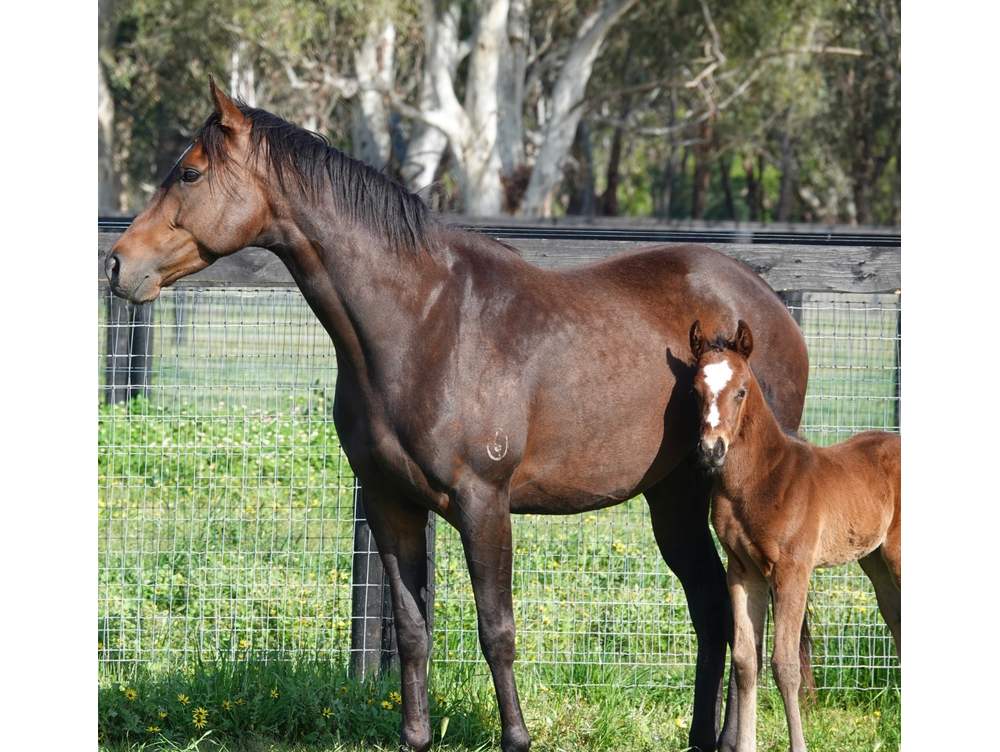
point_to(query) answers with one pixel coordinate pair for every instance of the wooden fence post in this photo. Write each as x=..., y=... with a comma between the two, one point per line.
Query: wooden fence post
x=367, y=584
x=128, y=359
x=373, y=633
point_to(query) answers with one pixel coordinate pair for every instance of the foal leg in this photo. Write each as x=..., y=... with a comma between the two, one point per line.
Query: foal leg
x=399, y=533
x=678, y=507
x=887, y=591
x=483, y=520
x=749, y=593
x=791, y=585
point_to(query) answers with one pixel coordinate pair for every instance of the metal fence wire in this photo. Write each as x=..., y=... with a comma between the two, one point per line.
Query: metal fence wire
x=227, y=511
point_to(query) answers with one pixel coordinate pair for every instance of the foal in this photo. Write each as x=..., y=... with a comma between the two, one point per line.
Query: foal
x=782, y=507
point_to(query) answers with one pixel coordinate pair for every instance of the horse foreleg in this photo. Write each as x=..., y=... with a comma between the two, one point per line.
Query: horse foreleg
x=749, y=593
x=678, y=508
x=399, y=530
x=483, y=520
x=790, y=588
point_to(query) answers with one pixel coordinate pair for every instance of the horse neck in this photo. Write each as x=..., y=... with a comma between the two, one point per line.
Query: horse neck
x=367, y=295
x=756, y=451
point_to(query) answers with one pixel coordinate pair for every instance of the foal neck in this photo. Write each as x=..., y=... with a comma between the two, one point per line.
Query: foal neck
x=756, y=450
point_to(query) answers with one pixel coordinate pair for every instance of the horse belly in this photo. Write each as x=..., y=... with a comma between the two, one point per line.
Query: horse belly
x=596, y=457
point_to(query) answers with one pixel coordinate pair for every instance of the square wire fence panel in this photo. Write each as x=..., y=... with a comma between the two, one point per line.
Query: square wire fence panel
x=227, y=510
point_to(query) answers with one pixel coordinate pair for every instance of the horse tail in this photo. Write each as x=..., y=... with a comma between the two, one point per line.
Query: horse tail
x=807, y=690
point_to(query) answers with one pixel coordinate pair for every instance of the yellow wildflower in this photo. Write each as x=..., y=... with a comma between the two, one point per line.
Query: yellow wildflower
x=199, y=717
x=183, y=699
x=326, y=712
x=386, y=705
x=240, y=701
x=343, y=690
x=227, y=705
x=395, y=697
x=274, y=693
x=131, y=694
x=680, y=722
x=244, y=643
x=162, y=714
x=153, y=729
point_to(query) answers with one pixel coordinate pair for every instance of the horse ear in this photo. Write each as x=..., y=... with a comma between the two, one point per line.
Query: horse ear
x=743, y=343
x=230, y=116
x=697, y=340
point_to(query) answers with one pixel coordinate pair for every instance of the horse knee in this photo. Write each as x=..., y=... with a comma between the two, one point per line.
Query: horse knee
x=497, y=642
x=787, y=674
x=745, y=665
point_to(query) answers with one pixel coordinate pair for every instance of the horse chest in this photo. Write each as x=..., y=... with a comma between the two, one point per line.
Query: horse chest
x=744, y=534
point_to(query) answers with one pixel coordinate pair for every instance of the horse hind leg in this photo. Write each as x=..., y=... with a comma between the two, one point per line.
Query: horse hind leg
x=678, y=507
x=882, y=566
x=399, y=532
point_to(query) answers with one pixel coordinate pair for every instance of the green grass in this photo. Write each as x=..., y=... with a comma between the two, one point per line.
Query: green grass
x=313, y=706
x=226, y=535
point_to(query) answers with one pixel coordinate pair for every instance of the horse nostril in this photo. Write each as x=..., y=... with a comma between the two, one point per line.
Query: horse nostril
x=112, y=266
x=719, y=449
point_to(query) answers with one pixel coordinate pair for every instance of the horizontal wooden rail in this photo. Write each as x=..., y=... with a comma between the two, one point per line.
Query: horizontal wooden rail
x=785, y=267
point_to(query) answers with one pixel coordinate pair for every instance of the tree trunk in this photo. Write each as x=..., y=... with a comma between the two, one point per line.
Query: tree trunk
x=375, y=68
x=565, y=111
x=725, y=165
x=108, y=181
x=678, y=185
x=786, y=194
x=753, y=189
x=514, y=65
x=583, y=201
x=241, y=76
x=609, y=199
x=427, y=143
x=702, y=170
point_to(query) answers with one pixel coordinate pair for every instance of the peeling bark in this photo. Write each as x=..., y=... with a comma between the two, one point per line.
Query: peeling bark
x=428, y=143
x=565, y=110
x=374, y=65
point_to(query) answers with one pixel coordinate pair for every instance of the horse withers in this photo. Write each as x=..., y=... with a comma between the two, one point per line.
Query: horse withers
x=472, y=384
x=781, y=508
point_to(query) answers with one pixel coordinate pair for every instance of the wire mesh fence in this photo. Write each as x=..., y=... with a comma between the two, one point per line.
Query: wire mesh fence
x=227, y=511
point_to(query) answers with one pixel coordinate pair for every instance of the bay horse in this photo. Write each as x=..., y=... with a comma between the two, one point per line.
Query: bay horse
x=472, y=384
x=783, y=507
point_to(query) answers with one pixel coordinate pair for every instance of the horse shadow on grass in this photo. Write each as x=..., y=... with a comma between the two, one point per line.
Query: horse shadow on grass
x=251, y=703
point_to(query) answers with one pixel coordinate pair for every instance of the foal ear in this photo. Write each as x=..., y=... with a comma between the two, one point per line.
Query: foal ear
x=229, y=114
x=697, y=340
x=743, y=342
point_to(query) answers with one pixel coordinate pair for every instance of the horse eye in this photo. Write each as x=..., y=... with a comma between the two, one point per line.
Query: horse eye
x=190, y=175
x=741, y=394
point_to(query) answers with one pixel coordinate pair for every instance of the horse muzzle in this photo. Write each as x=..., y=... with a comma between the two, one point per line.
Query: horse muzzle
x=711, y=454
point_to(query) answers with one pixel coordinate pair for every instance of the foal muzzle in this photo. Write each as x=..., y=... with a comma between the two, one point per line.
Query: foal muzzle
x=712, y=455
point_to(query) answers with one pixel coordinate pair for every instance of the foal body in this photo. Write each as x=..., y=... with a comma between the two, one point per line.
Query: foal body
x=781, y=508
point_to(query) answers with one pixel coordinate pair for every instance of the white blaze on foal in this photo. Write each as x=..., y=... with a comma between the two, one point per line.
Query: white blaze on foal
x=717, y=375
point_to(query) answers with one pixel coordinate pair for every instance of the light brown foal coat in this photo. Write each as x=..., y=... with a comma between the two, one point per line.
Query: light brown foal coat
x=782, y=507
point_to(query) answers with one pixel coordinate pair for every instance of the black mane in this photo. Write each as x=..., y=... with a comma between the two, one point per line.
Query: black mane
x=361, y=193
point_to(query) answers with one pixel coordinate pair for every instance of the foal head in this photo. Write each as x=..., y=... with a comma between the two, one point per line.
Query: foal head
x=722, y=380
x=212, y=204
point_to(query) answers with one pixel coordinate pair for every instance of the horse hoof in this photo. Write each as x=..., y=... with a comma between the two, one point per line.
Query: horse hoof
x=515, y=740
x=415, y=741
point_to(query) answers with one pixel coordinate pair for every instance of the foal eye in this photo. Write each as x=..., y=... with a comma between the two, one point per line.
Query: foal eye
x=740, y=394
x=189, y=175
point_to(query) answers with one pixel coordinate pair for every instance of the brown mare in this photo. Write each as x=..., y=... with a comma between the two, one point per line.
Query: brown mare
x=781, y=508
x=472, y=384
